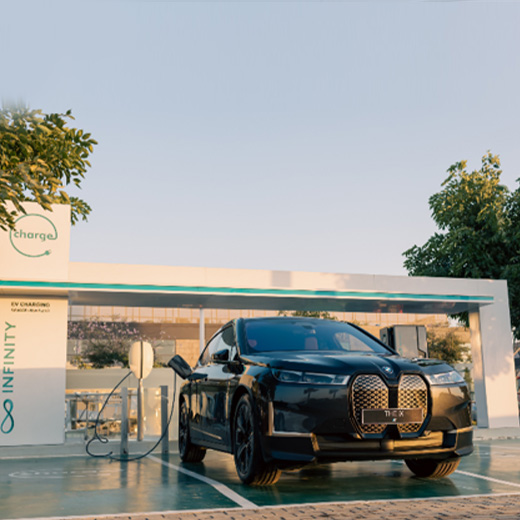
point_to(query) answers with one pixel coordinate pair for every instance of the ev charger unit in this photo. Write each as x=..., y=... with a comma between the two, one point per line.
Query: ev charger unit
x=408, y=341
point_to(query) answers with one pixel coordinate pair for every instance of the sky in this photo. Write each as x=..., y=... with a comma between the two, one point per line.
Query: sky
x=283, y=135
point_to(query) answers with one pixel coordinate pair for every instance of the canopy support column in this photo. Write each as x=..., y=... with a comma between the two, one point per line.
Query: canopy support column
x=202, y=330
x=493, y=362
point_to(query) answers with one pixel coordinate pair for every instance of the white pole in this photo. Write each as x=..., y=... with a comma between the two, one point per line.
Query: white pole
x=164, y=417
x=140, y=399
x=140, y=410
x=202, y=333
x=124, y=422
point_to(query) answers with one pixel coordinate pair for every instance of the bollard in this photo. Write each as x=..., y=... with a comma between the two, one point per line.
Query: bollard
x=164, y=419
x=124, y=422
x=140, y=410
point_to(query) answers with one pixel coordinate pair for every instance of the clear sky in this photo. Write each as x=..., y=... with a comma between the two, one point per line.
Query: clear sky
x=268, y=135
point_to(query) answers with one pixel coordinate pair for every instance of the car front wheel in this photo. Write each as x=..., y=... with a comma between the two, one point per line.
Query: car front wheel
x=249, y=463
x=188, y=452
x=429, y=468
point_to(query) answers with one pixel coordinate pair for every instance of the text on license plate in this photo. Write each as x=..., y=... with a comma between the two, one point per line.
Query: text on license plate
x=391, y=415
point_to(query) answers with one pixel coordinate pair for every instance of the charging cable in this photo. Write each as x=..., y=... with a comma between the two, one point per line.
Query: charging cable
x=103, y=439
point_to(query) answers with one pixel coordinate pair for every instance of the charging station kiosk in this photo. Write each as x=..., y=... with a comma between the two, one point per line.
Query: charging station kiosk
x=38, y=282
x=407, y=340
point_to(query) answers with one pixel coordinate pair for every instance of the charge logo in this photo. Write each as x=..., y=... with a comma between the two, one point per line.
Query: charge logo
x=33, y=235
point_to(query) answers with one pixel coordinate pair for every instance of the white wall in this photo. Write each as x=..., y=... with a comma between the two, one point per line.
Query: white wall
x=38, y=249
x=33, y=347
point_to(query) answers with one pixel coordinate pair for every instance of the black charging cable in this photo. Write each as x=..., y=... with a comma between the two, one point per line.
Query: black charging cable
x=103, y=439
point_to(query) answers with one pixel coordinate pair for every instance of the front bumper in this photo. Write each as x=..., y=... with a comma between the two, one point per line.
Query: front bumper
x=303, y=424
x=305, y=448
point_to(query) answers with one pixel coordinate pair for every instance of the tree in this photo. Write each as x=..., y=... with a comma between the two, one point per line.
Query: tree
x=479, y=236
x=105, y=343
x=39, y=157
x=324, y=315
x=102, y=344
x=448, y=348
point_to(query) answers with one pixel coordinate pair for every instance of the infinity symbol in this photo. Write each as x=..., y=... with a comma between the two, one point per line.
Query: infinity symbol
x=8, y=422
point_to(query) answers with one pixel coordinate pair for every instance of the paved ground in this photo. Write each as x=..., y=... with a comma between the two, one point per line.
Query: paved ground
x=486, y=485
x=486, y=508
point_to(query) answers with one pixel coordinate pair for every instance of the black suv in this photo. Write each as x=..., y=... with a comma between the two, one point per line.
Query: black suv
x=281, y=393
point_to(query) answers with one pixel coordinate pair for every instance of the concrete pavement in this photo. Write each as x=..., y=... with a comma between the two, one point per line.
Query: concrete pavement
x=503, y=507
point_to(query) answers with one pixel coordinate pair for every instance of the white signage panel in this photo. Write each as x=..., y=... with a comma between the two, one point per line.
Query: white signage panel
x=33, y=344
x=38, y=248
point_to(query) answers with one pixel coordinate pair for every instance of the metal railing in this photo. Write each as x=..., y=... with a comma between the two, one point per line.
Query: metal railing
x=119, y=417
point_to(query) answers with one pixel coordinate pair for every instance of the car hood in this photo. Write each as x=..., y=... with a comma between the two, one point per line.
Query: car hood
x=347, y=363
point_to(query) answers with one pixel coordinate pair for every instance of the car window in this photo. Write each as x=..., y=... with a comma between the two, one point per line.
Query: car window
x=223, y=340
x=299, y=334
x=351, y=343
x=228, y=342
x=211, y=347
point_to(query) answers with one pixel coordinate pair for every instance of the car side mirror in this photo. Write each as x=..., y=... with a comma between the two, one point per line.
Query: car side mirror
x=180, y=366
x=221, y=356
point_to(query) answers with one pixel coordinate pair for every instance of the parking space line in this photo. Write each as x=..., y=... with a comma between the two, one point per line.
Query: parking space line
x=501, y=448
x=490, y=479
x=221, y=488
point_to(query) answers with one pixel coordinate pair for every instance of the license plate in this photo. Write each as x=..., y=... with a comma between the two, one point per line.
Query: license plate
x=392, y=416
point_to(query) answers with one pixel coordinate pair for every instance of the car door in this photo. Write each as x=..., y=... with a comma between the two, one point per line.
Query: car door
x=214, y=389
x=200, y=375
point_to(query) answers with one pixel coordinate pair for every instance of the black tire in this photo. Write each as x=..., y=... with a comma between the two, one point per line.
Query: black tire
x=250, y=466
x=429, y=468
x=188, y=452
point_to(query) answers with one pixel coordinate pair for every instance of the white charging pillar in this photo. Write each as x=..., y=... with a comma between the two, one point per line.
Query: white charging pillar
x=493, y=363
x=33, y=328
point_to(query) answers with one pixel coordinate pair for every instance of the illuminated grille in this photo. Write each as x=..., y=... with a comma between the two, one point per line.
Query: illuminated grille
x=413, y=393
x=369, y=391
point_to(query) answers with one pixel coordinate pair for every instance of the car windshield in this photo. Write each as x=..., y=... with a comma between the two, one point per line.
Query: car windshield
x=295, y=334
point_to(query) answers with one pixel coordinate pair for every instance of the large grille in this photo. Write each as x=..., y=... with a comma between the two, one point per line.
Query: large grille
x=413, y=393
x=369, y=392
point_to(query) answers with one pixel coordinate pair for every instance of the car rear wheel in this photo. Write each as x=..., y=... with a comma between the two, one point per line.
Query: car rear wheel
x=429, y=468
x=249, y=463
x=188, y=452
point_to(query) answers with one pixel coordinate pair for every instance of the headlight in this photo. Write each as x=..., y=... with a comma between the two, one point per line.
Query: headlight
x=445, y=378
x=291, y=376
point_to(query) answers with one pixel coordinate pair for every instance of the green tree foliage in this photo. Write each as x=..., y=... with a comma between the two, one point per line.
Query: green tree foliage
x=479, y=231
x=105, y=343
x=309, y=314
x=102, y=344
x=39, y=157
x=448, y=348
